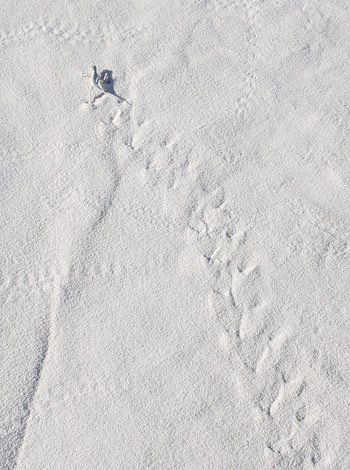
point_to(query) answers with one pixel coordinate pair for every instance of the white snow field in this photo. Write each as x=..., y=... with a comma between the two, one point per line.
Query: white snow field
x=175, y=267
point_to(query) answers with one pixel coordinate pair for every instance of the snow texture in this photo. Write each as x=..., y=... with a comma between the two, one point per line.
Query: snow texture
x=174, y=270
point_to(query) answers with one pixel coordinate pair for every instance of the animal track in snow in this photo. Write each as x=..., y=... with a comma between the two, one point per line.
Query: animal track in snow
x=63, y=32
x=218, y=5
x=249, y=84
x=242, y=305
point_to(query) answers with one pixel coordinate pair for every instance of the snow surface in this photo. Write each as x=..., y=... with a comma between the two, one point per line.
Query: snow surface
x=175, y=268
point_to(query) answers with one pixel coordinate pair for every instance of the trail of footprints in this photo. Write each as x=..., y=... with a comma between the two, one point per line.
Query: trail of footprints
x=252, y=15
x=119, y=129
x=64, y=32
x=251, y=12
x=240, y=303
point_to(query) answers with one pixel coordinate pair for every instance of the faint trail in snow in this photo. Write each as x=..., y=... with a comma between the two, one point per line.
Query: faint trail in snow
x=98, y=197
x=48, y=334
x=106, y=132
x=63, y=32
x=252, y=14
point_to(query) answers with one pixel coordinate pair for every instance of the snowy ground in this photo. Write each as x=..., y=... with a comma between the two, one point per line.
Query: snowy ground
x=175, y=272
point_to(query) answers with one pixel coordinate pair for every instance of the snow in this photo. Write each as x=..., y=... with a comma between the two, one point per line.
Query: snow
x=175, y=267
